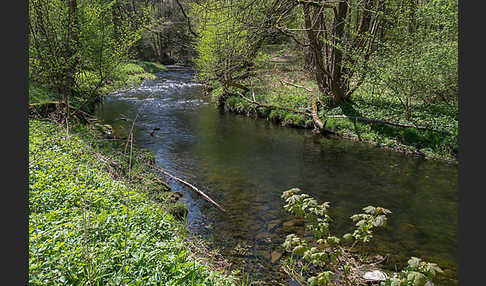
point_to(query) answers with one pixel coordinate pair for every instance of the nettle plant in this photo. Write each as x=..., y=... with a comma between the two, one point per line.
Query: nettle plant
x=326, y=260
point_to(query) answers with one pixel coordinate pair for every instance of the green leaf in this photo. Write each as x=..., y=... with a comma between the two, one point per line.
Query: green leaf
x=414, y=262
x=417, y=278
x=347, y=236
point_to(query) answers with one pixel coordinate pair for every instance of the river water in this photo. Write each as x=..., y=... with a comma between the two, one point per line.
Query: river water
x=245, y=164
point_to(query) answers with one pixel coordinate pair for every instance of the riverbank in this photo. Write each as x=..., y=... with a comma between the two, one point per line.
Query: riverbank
x=98, y=211
x=95, y=220
x=129, y=74
x=281, y=87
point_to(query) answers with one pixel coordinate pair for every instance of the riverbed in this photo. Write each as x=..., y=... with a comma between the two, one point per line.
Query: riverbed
x=245, y=164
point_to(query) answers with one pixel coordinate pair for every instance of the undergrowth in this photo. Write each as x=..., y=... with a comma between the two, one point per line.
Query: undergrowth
x=125, y=75
x=87, y=228
x=272, y=83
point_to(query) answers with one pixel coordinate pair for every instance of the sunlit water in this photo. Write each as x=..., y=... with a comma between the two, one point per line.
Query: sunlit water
x=245, y=164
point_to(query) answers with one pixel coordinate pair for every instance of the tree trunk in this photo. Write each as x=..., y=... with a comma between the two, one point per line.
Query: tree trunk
x=71, y=56
x=316, y=49
x=336, y=81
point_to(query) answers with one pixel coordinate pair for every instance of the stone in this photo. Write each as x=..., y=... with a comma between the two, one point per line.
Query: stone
x=375, y=275
x=276, y=256
x=265, y=236
x=294, y=222
x=271, y=226
x=265, y=254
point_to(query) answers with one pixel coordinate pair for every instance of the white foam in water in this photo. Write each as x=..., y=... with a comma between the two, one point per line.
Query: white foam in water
x=182, y=101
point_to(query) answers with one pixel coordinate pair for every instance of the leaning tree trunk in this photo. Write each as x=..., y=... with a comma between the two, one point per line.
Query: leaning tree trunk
x=316, y=48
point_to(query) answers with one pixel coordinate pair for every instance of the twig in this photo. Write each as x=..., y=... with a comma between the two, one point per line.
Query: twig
x=129, y=139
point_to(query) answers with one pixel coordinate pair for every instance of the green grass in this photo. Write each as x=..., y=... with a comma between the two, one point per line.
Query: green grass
x=151, y=67
x=128, y=237
x=125, y=75
x=128, y=75
x=269, y=89
x=39, y=93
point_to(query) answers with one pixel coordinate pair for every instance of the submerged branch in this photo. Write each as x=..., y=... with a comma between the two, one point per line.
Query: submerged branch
x=192, y=187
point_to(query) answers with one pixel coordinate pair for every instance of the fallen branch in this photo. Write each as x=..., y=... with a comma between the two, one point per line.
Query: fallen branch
x=238, y=85
x=192, y=187
x=371, y=120
x=258, y=104
x=87, y=118
x=321, y=126
x=295, y=85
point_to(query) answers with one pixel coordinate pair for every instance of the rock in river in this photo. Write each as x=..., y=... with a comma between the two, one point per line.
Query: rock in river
x=294, y=222
x=276, y=256
x=375, y=276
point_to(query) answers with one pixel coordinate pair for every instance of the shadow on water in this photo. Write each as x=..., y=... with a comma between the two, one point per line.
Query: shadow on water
x=245, y=165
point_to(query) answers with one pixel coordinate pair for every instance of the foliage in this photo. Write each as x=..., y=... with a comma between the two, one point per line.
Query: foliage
x=40, y=93
x=86, y=228
x=419, y=60
x=325, y=259
x=227, y=45
x=328, y=254
x=407, y=75
x=167, y=37
x=415, y=274
x=76, y=46
x=152, y=67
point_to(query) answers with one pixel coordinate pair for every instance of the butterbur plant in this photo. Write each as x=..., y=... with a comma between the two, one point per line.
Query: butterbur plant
x=325, y=261
x=333, y=263
x=366, y=222
x=417, y=273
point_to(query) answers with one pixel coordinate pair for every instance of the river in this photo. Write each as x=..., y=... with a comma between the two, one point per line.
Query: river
x=245, y=164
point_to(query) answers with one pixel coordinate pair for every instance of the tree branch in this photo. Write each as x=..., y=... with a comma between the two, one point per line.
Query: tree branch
x=188, y=20
x=293, y=84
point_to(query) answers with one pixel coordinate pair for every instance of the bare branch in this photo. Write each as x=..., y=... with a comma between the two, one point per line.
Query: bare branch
x=188, y=20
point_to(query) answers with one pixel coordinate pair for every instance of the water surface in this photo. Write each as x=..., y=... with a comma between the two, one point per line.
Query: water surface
x=245, y=164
